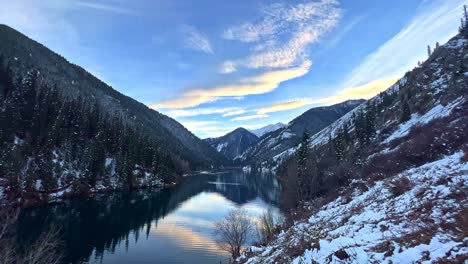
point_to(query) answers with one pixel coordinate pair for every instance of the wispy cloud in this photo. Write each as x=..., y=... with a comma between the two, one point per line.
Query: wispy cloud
x=235, y=112
x=260, y=84
x=106, y=7
x=301, y=25
x=249, y=117
x=196, y=40
x=283, y=106
x=228, y=111
x=435, y=21
x=228, y=67
x=365, y=91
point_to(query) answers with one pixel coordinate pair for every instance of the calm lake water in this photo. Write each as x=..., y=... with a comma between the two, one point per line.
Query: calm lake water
x=169, y=226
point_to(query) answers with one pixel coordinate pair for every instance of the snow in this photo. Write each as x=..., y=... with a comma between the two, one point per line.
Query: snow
x=377, y=216
x=109, y=161
x=18, y=141
x=456, y=43
x=286, y=134
x=220, y=147
x=437, y=111
x=38, y=185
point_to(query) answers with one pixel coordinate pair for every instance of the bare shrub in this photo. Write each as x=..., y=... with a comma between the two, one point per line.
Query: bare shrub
x=400, y=186
x=268, y=226
x=45, y=250
x=233, y=231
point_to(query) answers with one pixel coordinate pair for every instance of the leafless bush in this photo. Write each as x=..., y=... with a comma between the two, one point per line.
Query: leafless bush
x=268, y=226
x=400, y=186
x=233, y=231
x=45, y=250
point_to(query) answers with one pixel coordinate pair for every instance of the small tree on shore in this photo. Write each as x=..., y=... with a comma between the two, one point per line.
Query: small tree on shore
x=233, y=231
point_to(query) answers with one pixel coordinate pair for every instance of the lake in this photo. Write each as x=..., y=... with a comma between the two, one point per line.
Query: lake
x=174, y=225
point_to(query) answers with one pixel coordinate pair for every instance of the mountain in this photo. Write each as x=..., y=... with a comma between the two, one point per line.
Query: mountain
x=259, y=132
x=273, y=147
x=234, y=143
x=64, y=129
x=385, y=183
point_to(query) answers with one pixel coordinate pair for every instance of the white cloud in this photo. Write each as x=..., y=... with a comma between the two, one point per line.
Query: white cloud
x=301, y=25
x=228, y=67
x=235, y=112
x=196, y=40
x=249, y=117
x=435, y=21
x=106, y=8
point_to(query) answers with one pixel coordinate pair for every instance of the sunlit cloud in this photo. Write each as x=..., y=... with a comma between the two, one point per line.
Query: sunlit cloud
x=227, y=111
x=196, y=40
x=365, y=91
x=435, y=21
x=260, y=84
x=283, y=106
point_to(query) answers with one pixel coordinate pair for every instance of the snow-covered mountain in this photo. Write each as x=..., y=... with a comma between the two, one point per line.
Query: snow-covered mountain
x=259, y=132
x=274, y=146
x=390, y=176
x=233, y=144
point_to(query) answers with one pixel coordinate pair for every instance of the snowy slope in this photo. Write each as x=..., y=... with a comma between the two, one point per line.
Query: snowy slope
x=376, y=224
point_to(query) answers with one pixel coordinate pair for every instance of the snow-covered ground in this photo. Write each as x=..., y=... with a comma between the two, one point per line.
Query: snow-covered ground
x=437, y=111
x=414, y=217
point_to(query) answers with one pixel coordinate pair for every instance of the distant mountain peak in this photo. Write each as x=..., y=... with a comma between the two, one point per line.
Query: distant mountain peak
x=234, y=143
x=259, y=132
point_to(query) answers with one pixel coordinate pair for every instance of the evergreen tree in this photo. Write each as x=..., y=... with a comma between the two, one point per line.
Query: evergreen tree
x=405, y=112
x=429, y=52
x=302, y=156
x=339, y=146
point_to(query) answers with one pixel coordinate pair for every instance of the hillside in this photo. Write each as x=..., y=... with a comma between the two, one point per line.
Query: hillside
x=385, y=183
x=234, y=143
x=63, y=128
x=275, y=146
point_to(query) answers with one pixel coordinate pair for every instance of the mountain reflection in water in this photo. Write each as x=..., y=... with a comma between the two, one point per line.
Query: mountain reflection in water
x=170, y=226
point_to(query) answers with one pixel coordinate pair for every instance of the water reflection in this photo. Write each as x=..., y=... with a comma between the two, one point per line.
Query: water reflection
x=170, y=226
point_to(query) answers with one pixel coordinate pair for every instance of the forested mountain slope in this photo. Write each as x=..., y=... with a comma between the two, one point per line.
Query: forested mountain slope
x=275, y=146
x=387, y=182
x=234, y=143
x=62, y=128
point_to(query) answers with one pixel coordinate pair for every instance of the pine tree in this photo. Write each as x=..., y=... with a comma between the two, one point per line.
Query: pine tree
x=405, y=112
x=437, y=45
x=429, y=52
x=302, y=156
x=339, y=146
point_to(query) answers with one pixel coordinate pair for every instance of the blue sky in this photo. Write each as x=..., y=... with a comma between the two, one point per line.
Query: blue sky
x=217, y=65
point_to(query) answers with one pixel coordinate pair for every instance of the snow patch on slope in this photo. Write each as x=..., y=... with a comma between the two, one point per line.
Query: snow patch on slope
x=437, y=111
